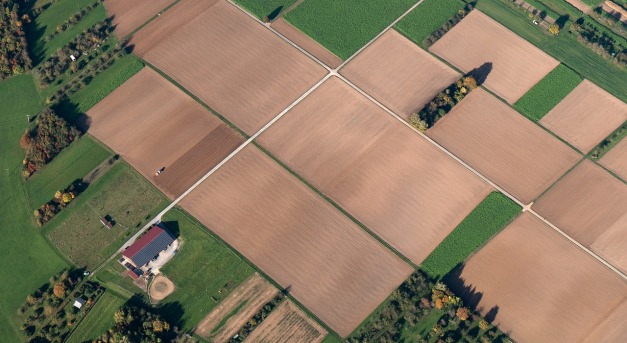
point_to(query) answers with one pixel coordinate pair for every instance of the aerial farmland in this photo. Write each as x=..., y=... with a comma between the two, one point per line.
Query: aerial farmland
x=192, y=171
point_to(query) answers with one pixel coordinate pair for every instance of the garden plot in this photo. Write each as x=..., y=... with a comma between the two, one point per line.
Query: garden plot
x=287, y=324
x=616, y=159
x=542, y=287
x=129, y=15
x=399, y=74
x=390, y=179
x=586, y=116
x=330, y=265
x=235, y=65
x=517, y=65
x=504, y=146
x=590, y=205
x=153, y=124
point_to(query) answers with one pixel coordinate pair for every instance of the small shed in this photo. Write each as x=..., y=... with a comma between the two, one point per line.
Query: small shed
x=72, y=58
x=79, y=302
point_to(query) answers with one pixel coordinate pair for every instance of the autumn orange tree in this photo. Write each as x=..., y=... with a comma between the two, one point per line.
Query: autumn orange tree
x=59, y=289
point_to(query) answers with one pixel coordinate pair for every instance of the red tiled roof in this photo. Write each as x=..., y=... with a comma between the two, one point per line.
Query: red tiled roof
x=131, y=274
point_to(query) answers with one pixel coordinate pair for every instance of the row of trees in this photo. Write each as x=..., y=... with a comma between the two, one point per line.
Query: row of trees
x=601, y=41
x=61, y=199
x=439, y=106
x=259, y=317
x=42, y=143
x=14, y=57
x=437, y=34
x=137, y=325
x=91, y=38
x=73, y=20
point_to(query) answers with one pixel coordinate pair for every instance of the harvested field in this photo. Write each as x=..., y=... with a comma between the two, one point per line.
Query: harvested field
x=307, y=43
x=586, y=116
x=590, y=205
x=504, y=146
x=543, y=287
x=332, y=266
x=517, y=65
x=266, y=76
x=287, y=324
x=616, y=159
x=129, y=15
x=399, y=74
x=236, y=309
x=394, y=182
x=153, y=124
x=160, y=287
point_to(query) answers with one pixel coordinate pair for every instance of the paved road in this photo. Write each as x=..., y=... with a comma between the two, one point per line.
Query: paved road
x=333, y=72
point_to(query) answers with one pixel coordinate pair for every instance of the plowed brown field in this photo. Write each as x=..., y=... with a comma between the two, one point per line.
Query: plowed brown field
x=332, y=266
x=586, y=116
x=399, y=74
x=396, y=183
x=478, y=39
x=504, y=146
x=306, y=42
x=616, y=159
x=129, y=15
x=287, y=324
x=235, y=65
x=153, y=124
x=590, y=205
x=545, y=288
x=235, y=310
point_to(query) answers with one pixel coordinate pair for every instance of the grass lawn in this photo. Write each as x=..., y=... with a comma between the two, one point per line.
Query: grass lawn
x=485, y=221
x=562, y=7
x=547, y=93
x=74, y=162
x=422, y=328
x=345, y=26
x=427, y=17
x=98, y=320
x=109, y=276
x=55, y=15
x=331, y=338
x=598, y=2
x=28, y=259
x=563, y=47
x=204, y=268
x=121, y=193
x=270, y=8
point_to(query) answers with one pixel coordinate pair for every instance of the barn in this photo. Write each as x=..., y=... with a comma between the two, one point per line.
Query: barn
x=148, y=246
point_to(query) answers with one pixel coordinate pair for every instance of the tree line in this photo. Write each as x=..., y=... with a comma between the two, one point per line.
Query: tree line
x=440, y=32
x=600, y=40
x=14, y=57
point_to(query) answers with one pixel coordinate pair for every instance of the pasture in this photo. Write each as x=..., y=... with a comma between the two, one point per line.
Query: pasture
x=399, y=74
x=122, y=194
x=284, y=228
x=516, y=64
x=267, y=75
x=381, y=172
x=485, y=221
x=589, y=205
x=344, y=27
x=529, y=273
x=307, y=43
x=131, y=122
x=269, y=9
x=429, y=16
x=98, y=320
x=586, y=116
x=547, y=93
x=504, y=146
x=288, y=323
x=129, y=15
x=616, y=159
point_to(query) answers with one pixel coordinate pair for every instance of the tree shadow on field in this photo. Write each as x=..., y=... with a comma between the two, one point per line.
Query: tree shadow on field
x=275, y=13
x=173, y=228
x=70, y=112
x=468, y=293
x=480, y=74
x=562, y=20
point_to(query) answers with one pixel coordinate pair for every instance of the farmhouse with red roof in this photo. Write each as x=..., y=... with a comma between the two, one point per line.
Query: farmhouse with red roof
x=148, y=247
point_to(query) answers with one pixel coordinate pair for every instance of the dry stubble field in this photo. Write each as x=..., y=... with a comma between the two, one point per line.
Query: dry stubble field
x=545, y=287
x=586, y=116
x=129, y=15
x=616, y=159
x=399, y=74
x=153, y=124
x=287, y=324
x=241, y=69
x=590, y=205
x=517, y=65
x=390, y=179
x=332, y=266
x=306, y=42
x=504, y=146
x=235, y=310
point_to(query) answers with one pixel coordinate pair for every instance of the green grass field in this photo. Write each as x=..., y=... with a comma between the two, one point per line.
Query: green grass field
x=485, y=221
x=598, y=2
x=203, y=268
x=28, y=259
x=427, y=17
x=563, y=47
x=345, y=26
x=122, y=194
x=562, y=7
x=547, y=93
x=270, y=8
x=98, y=320
x=109, y=276
x=74, y=162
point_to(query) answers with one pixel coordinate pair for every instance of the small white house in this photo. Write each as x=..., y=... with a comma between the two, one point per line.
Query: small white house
x=79, y=303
